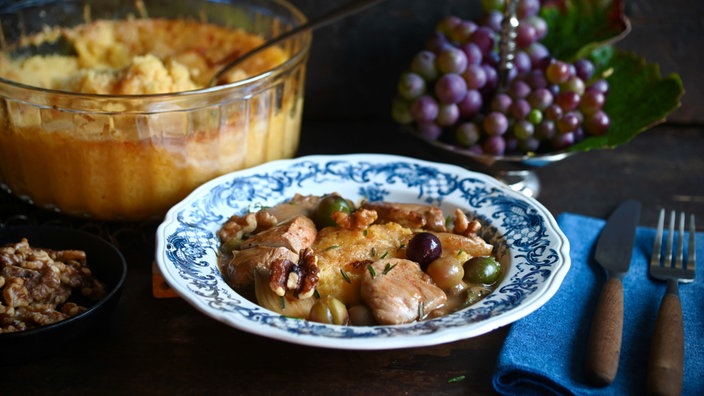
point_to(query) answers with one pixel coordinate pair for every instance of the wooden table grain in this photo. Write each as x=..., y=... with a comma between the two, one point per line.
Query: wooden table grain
x=166, y=347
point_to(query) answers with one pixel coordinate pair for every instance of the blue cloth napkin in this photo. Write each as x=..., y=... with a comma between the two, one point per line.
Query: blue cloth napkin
x=544, y=352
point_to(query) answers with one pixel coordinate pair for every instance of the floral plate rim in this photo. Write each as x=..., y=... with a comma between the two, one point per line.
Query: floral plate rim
x=525, y=233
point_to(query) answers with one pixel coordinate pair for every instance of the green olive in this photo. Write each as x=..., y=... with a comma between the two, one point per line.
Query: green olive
x=483, y=270
x=329, y=310
x=327, y=206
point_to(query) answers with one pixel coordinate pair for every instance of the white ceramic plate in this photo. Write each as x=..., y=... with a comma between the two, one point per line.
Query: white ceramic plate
x=525, y=234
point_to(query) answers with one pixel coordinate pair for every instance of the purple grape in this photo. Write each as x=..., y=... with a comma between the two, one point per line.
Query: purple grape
x=492, y=19
x=501, y=102
x=529, y=144
x=437, y=42
x=540, y=98
x=495, y=123
x=473, y=53
x=429, y=130
x=527, y=8
x=553, y=112
x=518, y=89
x=424, y=109
x=584, y=69
x=557, y=72
x=411, y=86
x=525, y=35
x=448, y=114
x=539, y=55
x=462, y=32
x=568, y=123
x=494, y=145
x=541, y=27
x=451, y=60
x=536, y=79
x=546, y=130
x=492, y=78
x=567, y=100
x=522, y=62
x=447, y=24
x=423, y=64
x=483, y=37
x=597, y=124
x=562, y=140
x=450, y=88
x=600, y=85
x=471, y=104
x=475, y=77
x=519, y=109
x=467, y=134
x=591, y=102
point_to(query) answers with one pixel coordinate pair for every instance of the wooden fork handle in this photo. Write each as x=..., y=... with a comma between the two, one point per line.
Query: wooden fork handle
x=666, y=362
x=604, y=346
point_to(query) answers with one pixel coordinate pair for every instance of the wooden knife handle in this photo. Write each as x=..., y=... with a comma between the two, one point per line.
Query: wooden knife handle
x=666, y=362
x=604, y=347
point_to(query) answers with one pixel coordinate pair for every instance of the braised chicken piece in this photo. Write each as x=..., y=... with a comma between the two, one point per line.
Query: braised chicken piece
x=414, y=216
x=278, y=244
x=239, y=227
x=398, y=291
x=295, y=234
x=240, y=270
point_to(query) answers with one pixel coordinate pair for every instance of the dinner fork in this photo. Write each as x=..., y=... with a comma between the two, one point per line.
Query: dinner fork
x=666, y=363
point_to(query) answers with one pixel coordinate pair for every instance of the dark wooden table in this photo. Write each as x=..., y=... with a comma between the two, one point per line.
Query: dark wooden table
x=164, y=346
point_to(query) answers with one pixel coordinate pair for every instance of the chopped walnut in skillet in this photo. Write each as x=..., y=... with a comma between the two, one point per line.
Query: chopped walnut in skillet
x=36, y=285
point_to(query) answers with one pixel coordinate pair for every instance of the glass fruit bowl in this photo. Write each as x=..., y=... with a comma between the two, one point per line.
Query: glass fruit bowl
x=128, y=148
x=516, y=171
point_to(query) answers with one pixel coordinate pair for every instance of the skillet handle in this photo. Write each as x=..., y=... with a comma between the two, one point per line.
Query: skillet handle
x=604, y=347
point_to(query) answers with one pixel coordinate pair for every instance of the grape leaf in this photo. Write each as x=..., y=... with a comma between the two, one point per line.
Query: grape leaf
x=577, y=27
x=639, y=97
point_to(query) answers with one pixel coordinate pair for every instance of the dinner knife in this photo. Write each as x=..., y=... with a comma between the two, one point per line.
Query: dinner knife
x=614, y=249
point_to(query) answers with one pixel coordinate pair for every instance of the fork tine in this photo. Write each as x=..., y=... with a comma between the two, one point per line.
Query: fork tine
x=670, y=241
x=692, y=249
x=657, y=243
x=680, y=243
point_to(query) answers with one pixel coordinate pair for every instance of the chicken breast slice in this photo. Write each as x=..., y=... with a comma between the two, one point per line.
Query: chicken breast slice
x=414, y=216
x=295, y=235
x=397, y=291
x=239, y=271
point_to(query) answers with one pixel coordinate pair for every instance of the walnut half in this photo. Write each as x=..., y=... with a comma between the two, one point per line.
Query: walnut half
x=298, y=278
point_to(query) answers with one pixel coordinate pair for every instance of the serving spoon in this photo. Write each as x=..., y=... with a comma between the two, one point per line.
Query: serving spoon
x=334, y=15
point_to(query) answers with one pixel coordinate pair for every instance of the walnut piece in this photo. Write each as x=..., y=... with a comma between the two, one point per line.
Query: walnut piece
x=299, y=278
x=36, y=285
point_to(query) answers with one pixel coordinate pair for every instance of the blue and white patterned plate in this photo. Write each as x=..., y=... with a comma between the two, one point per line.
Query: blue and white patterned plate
x=526, y=235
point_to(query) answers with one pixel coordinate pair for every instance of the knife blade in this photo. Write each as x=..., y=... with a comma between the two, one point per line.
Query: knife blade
x=613, y=252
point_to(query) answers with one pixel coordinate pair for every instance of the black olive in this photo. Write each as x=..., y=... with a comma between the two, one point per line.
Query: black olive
x=423, y=248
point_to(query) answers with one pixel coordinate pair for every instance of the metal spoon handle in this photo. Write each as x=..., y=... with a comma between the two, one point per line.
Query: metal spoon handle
x=334, y=15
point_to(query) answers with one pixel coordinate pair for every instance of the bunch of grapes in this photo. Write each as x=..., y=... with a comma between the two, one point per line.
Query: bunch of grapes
x=452, y=90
